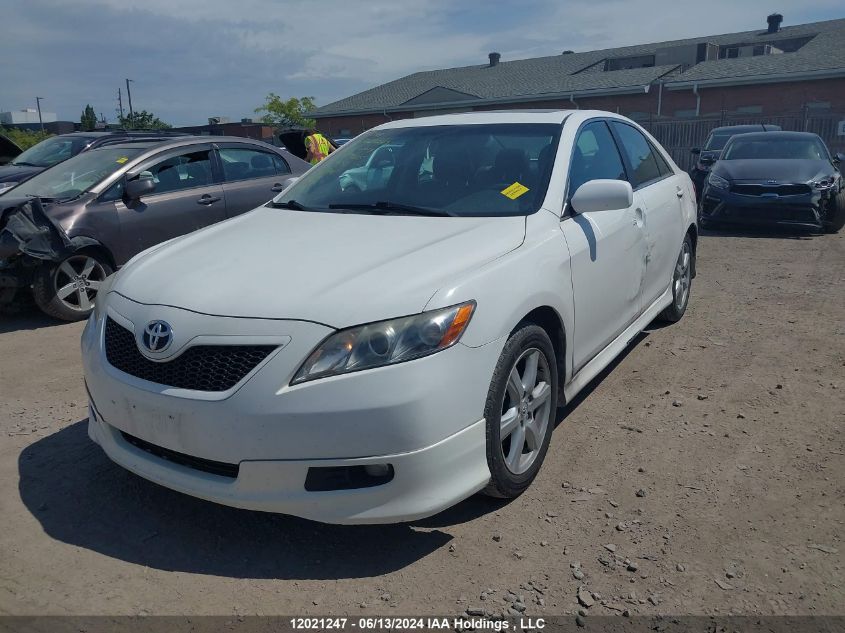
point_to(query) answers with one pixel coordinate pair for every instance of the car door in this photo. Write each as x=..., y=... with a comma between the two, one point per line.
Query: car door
x=187, y=197
x=606, y=249
x=252, y=175
x=660, y=192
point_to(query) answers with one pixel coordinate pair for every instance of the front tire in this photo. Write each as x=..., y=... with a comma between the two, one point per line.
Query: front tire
x=67, y=290
x=681, y=283
x=836, y=216
x=520, y=411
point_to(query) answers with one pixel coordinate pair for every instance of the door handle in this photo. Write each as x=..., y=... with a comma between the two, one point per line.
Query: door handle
x=207, y=199
x=679, y=192
x=277, y=187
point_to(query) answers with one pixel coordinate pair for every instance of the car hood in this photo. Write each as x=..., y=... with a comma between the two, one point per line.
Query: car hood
x=782, y=170
x=331, y=268
x=15, y=173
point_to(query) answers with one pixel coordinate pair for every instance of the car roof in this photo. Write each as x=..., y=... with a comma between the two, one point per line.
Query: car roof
x=738, y=129
x=490, y=116
x=774, y=136
x=180, y=141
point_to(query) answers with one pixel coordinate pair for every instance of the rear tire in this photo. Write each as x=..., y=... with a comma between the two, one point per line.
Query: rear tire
x=836, y=216
x=681, y=283
x=67, y=290
x=520, y=420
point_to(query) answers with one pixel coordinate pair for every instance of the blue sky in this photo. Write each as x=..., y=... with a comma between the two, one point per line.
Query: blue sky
x=191, y=59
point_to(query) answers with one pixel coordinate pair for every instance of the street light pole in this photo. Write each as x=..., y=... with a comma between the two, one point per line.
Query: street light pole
x=129, y=97
x=38, y=105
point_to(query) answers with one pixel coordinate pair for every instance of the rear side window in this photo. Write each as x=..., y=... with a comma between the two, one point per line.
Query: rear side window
x=662, y=165
x=644, y=167
x=595, y=156
x=244, y=163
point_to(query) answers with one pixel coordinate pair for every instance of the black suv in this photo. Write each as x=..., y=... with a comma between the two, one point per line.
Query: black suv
x=713, y=147
x=55, y=149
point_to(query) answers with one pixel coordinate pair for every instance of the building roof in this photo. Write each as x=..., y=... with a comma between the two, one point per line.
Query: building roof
x=820, y=51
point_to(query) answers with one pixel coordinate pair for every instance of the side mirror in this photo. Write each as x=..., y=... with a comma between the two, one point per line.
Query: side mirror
x=695, y=150
x=602, y=195
x=140, y=186
x=838, y=158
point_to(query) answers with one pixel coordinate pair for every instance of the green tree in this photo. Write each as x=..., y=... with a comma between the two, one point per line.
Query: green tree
x=143, y=120
x=282, y=114
x=88, y=118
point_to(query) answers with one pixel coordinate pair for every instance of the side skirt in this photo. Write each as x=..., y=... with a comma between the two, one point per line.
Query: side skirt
x=615, y=347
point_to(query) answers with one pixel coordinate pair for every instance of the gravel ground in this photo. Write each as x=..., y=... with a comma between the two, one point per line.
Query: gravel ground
x=701, y=474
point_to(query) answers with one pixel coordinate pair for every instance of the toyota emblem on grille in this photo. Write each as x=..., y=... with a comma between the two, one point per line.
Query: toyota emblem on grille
x=158, y=335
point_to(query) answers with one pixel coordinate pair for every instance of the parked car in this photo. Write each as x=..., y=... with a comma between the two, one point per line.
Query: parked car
x=55, y=149
x=8, y=150
x=90, y=214
x=379, y=355
x=783, y=178
x=713, y=146
x=341, y=141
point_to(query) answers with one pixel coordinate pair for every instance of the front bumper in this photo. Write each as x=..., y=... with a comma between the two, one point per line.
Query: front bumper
x=423, y=418
x=726, y=207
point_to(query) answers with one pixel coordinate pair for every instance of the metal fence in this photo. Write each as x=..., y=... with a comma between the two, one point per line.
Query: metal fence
x=679, y=136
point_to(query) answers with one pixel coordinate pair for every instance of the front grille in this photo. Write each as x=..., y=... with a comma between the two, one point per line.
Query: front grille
x=781, y=190
x=201, y=367
x=222, y=469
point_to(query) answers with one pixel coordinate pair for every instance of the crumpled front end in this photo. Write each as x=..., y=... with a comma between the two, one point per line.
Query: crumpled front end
x=28, y=237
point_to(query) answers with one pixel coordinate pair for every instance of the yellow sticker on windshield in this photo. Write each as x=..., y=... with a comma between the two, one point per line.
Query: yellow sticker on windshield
x=122, y=160
x=514, y=191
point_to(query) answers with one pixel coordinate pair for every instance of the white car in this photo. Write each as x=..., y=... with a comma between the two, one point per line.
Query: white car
x=377, y=356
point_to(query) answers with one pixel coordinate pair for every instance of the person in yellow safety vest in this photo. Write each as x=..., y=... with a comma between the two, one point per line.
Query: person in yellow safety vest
x=317, y=146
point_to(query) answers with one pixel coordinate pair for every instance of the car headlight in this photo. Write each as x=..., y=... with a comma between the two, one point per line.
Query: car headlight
x=718, y=182
x=386, y=342
x=102, y=291
x=824, y=183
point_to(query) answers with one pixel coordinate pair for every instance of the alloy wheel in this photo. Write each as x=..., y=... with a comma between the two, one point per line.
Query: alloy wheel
x=77, y=280
x=525, y=410
x=682, y=276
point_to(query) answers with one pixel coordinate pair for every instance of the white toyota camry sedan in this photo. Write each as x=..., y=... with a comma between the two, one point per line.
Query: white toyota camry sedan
x=377, y=354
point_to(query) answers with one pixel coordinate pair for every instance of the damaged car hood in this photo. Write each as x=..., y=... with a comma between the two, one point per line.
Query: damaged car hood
x=334, y=268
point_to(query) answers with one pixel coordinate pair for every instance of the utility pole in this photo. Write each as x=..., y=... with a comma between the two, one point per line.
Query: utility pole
x=129, y=97
x=120, y=104
x=38, y=105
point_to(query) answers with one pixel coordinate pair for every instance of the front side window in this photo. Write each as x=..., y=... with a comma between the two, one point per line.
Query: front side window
x=246, y=163
x=594, y=157
x=77, y=174
x=464, y=170
x=184, y=171
x=639, y=153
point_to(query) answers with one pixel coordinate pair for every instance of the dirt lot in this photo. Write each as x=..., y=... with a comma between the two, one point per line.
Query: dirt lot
x=711, y=457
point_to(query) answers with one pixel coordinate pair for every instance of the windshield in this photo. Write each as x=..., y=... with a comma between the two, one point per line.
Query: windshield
x=717, y=141
x=77, y=174
x=462, y=170
x=51, y=151
x=775, y=147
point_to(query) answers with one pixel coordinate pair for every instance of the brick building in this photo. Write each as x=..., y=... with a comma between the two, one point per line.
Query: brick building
x=764, y=73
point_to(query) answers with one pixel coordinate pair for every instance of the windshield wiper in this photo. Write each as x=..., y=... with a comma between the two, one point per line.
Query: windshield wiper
x=287, y=204
x=386, y=206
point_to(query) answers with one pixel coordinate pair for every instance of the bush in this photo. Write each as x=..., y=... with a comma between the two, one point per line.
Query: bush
x=24, y=138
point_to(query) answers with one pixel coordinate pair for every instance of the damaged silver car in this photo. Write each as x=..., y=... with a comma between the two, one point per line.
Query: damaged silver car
x=65, y=230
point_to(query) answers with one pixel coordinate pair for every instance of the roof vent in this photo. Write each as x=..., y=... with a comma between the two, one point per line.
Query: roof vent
x=567, y=52
x=494, y=59
x=774, y=21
